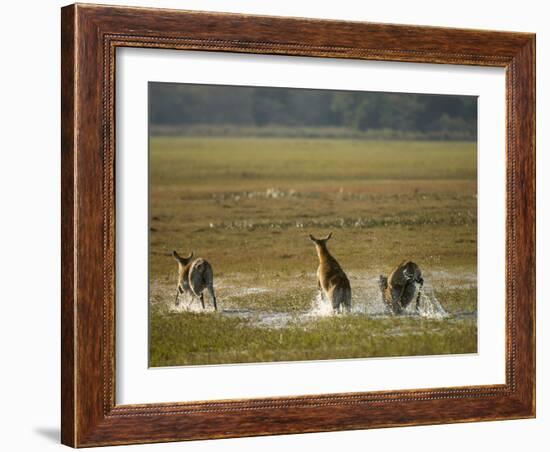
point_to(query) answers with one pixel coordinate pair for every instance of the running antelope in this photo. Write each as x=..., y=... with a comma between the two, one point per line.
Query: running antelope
x=402, y=286
x=194, y=275
x=331, y=279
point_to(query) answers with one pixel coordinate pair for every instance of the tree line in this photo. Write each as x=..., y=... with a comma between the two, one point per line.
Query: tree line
x=435, y=116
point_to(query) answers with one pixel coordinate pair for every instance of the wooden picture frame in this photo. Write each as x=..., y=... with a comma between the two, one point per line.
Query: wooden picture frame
x=90, y=36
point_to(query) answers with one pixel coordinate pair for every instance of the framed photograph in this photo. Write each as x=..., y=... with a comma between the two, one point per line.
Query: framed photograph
x=282, y=225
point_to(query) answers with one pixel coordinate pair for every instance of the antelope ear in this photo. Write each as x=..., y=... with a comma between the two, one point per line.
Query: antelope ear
x=190, y=255
x=313, y=239
x=176, y=255
x=328, y=236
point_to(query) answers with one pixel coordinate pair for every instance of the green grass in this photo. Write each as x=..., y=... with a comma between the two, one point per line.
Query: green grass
x=209, y=162
x=190, y=338
x=248, y=205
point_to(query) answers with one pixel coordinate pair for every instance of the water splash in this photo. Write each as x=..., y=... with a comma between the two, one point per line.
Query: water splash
x=320, y=307
x=188, y=303
x=429, y=306
x=366, y=301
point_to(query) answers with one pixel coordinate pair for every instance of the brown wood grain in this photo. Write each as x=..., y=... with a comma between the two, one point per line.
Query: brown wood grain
x=90, y=36
x=67, y=226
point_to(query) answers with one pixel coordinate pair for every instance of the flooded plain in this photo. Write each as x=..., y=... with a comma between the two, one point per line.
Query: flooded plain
x=248, y=206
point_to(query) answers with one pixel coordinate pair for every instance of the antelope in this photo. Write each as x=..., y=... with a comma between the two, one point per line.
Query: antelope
x=402, y=286
x=331, y=279
x=194, y=275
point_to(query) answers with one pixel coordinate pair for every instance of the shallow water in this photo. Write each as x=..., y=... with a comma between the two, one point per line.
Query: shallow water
x=366, y=301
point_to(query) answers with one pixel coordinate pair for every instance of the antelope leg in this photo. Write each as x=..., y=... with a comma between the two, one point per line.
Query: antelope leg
x=417, y=306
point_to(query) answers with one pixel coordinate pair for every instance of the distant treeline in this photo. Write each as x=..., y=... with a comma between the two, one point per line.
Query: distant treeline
x=260, y=111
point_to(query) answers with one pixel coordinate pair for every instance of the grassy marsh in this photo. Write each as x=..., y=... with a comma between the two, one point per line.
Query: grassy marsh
x=248, y=205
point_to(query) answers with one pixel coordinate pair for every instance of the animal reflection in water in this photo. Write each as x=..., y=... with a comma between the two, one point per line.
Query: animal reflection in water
x=402, y=287
x=194, y=275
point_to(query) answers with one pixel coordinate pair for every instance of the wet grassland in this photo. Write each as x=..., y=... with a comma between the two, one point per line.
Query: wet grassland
x=248, y=205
